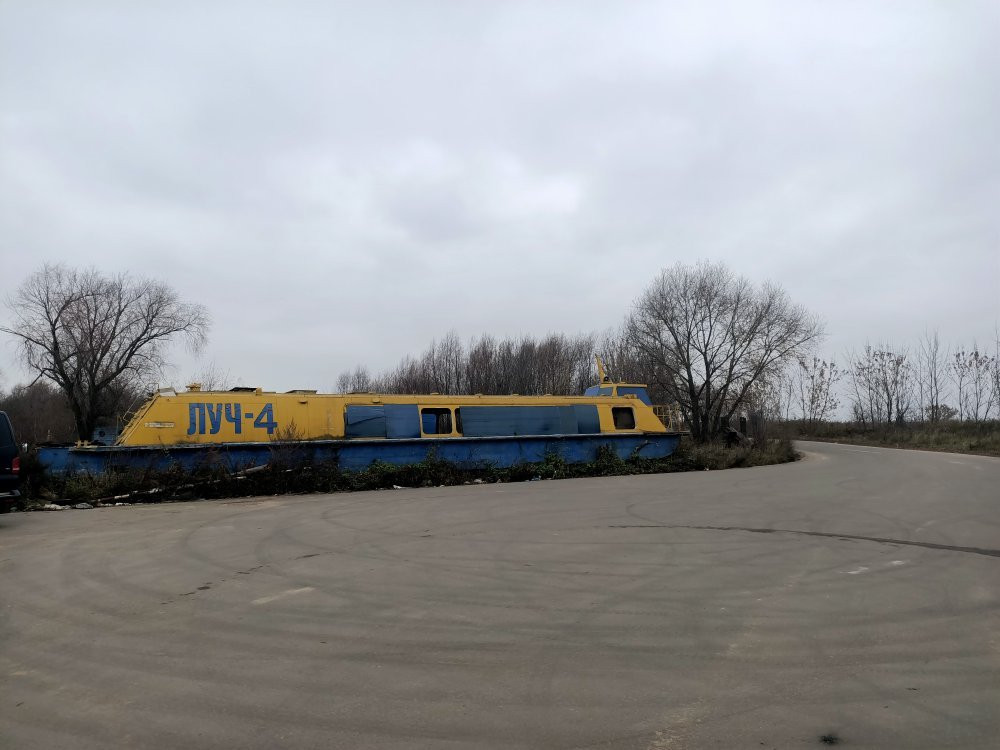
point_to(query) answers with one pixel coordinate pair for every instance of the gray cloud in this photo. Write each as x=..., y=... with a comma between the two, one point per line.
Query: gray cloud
x=340, y=183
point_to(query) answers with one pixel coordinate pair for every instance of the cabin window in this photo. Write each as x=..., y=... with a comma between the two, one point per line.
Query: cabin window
x=624, y=417
x=490, y=421
x=363, y=421
x=436, y=421
x=458, y=420
x=639, y=393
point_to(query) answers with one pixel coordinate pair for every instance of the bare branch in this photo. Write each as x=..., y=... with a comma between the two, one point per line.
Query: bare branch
x=89, y=333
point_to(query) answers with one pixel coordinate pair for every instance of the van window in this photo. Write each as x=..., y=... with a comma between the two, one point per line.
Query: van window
x=6, y=434
x=436, y=421
x=624, y=418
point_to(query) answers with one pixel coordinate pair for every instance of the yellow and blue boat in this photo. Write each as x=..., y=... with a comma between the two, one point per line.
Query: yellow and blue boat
x=243, y=427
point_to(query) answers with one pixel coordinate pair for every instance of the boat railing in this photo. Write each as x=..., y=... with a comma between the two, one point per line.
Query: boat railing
x=670, y=416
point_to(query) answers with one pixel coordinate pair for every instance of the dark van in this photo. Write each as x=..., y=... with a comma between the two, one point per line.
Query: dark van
x=10, y=466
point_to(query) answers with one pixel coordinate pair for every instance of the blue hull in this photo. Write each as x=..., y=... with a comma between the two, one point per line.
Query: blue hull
x=356, y=455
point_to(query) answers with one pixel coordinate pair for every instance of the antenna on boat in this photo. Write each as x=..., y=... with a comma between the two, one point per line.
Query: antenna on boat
x=601, y=375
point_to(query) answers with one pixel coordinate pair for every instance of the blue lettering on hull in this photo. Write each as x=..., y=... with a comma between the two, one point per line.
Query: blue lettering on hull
x=232, y=413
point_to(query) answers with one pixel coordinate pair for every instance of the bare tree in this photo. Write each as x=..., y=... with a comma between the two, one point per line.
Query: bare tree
x=973, y=374
x=214, y=378
x=784, y=395
x=932, y=369
x=358, y=380
x=90, y=333
x=981, y=389
x=446, y=362
x=770, y=399
x=959, y=372
x=481, y=366
x=881, y=385
x=815, y=383
x=945, y=413
x=515, y=360
x=711, y=335
x=40, y=413
x=564, y=364
x=621, y=358
x=557, y=364
x=995, y=378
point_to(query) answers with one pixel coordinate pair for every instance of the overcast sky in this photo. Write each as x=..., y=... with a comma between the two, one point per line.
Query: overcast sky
x=339, y=183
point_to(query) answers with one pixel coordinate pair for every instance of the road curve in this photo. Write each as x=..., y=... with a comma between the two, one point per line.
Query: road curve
x=854, y=595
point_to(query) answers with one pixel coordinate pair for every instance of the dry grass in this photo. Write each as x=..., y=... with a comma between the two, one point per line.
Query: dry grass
x=952, y=437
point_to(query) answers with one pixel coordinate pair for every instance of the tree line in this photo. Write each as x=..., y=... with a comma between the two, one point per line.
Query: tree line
x=702, y=337
x=888, y=384
x=554, y=364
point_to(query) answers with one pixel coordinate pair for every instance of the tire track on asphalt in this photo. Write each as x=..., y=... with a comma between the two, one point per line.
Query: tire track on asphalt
x=825, y=534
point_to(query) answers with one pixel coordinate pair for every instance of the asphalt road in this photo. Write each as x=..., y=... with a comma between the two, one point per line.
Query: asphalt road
x=854, y=595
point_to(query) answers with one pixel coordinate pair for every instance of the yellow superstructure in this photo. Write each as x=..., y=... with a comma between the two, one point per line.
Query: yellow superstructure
x=244, y=415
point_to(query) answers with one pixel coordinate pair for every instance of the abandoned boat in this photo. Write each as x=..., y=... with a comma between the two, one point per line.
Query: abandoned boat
x=242, y=427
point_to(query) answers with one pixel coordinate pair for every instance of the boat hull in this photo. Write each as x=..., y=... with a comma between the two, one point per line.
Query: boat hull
x=357, y=455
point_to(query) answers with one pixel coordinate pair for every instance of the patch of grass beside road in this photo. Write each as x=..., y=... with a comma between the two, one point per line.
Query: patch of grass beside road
x=952, y=437
x=279, y=478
